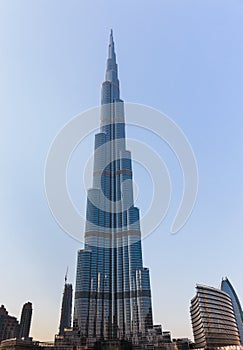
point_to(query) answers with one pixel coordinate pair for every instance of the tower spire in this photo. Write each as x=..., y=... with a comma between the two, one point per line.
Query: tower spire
x=111, y=46
x=111, y=36
x=111, y=68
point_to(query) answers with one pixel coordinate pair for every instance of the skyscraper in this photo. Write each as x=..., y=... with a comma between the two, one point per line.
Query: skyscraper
x=227, y=287
x=66, y=312
x=213, y=319
x=25, y=321
x=112, y=296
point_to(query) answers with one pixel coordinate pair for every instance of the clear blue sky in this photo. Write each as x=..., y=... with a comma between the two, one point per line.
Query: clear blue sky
x=184, y=58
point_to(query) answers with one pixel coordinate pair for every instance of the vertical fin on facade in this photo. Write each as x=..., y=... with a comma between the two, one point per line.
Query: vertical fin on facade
x=227, y=287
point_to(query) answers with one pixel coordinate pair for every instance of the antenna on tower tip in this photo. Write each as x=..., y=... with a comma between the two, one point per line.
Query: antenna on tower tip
x=66, y=275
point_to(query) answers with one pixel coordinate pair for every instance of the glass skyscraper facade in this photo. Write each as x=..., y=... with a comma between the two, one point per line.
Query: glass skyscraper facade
x=227, y=287
x=213, y=319
x=112, y=295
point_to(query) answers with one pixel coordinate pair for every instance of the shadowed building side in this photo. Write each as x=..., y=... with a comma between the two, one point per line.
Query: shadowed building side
x=66, y=312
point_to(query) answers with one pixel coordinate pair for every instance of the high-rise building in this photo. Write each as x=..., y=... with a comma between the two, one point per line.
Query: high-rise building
x=9, y=326
x=113, y=295
x=25, y=321
x=66, y=312
x=227, y=287
x=213, y=320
